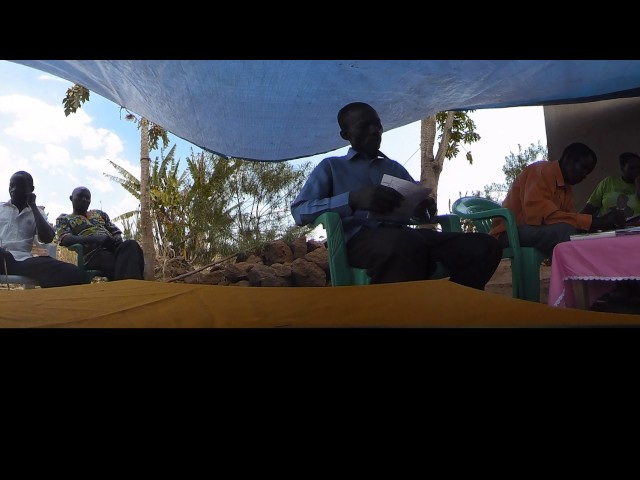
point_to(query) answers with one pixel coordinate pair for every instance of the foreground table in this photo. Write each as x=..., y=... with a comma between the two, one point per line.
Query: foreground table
x=583, y=270
x=427, y=303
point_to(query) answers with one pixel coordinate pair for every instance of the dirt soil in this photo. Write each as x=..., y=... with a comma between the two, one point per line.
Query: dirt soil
x=500, y=283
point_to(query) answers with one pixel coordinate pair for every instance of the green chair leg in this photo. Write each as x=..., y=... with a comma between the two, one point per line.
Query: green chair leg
x=531, y=260
x=525, y=261
x=360, y=276
x=341, y=272
x=79, y=249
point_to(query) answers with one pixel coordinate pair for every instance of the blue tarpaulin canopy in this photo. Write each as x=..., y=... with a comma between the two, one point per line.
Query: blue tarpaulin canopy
x=284, y=109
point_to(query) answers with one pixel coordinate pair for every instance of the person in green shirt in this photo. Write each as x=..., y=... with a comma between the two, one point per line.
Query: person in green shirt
x=618, y=192
x=621, y=193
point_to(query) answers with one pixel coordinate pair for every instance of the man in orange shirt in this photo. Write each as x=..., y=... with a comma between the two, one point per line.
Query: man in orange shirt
x=541, y=200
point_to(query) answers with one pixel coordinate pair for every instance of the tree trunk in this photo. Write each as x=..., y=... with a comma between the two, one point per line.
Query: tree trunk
x=146, y=226
x=431, y=165
x=429, y=168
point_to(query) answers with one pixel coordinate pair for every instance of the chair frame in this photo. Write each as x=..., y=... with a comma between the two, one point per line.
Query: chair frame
x=52, y=251
x=343, y=274
x=525, y=261
x=90, y=274
x=28, y=282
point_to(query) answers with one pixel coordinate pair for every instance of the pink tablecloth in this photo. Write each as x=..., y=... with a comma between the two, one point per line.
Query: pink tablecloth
x=601, y=261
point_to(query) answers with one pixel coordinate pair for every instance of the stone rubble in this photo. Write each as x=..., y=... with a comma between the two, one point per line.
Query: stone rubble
x=303, y=263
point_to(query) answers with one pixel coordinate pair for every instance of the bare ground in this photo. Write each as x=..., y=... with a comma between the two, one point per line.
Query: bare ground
x=500, y=283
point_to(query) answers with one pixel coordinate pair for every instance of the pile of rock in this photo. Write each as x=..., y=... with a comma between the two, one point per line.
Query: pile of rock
x=303, y=263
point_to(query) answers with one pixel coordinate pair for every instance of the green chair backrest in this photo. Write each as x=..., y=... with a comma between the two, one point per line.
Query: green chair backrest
x=79, y=249
x=525, y=261
x=468, y=205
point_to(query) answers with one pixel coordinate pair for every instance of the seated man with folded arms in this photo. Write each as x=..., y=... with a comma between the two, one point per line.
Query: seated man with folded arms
x=21, y=222
x=102, y=241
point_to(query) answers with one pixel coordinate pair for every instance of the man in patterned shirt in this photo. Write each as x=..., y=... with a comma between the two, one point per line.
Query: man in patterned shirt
x=104, y=248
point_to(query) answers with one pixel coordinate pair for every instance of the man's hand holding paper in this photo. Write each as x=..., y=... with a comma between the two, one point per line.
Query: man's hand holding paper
x=426, y=210
x=413, y=204
x=375, y=198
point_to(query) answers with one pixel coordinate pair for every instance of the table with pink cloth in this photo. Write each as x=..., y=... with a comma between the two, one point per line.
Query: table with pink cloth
x=597, y=263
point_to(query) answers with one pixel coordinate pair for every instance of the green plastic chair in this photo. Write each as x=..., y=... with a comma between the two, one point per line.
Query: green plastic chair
x=79, y=249
x=525, y=261
x=342, y=273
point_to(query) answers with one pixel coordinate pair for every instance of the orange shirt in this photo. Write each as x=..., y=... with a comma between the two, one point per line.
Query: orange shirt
x=539, y=196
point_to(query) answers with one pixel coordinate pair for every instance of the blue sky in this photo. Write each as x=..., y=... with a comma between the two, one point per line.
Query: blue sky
x=66, y=152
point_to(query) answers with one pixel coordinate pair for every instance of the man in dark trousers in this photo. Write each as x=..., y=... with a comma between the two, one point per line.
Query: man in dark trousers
x=541, y=200
x=391, y=252
x=104, y=248
x=20, y=222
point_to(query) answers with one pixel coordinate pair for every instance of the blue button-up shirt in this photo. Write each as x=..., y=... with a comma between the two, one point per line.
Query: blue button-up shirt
x=327, y=188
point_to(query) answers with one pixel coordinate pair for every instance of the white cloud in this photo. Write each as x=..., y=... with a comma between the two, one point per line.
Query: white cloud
x=53, y=158
x=38, y=122
x=46, y=77
x=61, y=153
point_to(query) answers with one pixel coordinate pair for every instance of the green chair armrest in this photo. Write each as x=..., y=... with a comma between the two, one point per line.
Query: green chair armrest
x=510, y=222
x=449, y=223
x=340, y=270
x=79, y=249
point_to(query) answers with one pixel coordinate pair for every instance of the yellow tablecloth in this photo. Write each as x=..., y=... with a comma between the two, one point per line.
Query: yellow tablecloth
x=142, y=304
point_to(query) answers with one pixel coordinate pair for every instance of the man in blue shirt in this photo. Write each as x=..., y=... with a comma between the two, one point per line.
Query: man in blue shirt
x=391, y=252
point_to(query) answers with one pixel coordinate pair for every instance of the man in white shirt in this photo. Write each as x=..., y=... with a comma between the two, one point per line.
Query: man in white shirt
x=20, y=221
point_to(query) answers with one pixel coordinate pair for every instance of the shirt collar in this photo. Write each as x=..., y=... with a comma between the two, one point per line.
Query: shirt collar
x=355, y=154
x=558, y=173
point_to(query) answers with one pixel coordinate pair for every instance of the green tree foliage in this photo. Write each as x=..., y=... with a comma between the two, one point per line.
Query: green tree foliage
x=167, y=203
x=514, y=164
x=452, y=129
x=155, y=132
x=462, y=131
x=74, y=98
x=261, y=194
x=217, y=206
